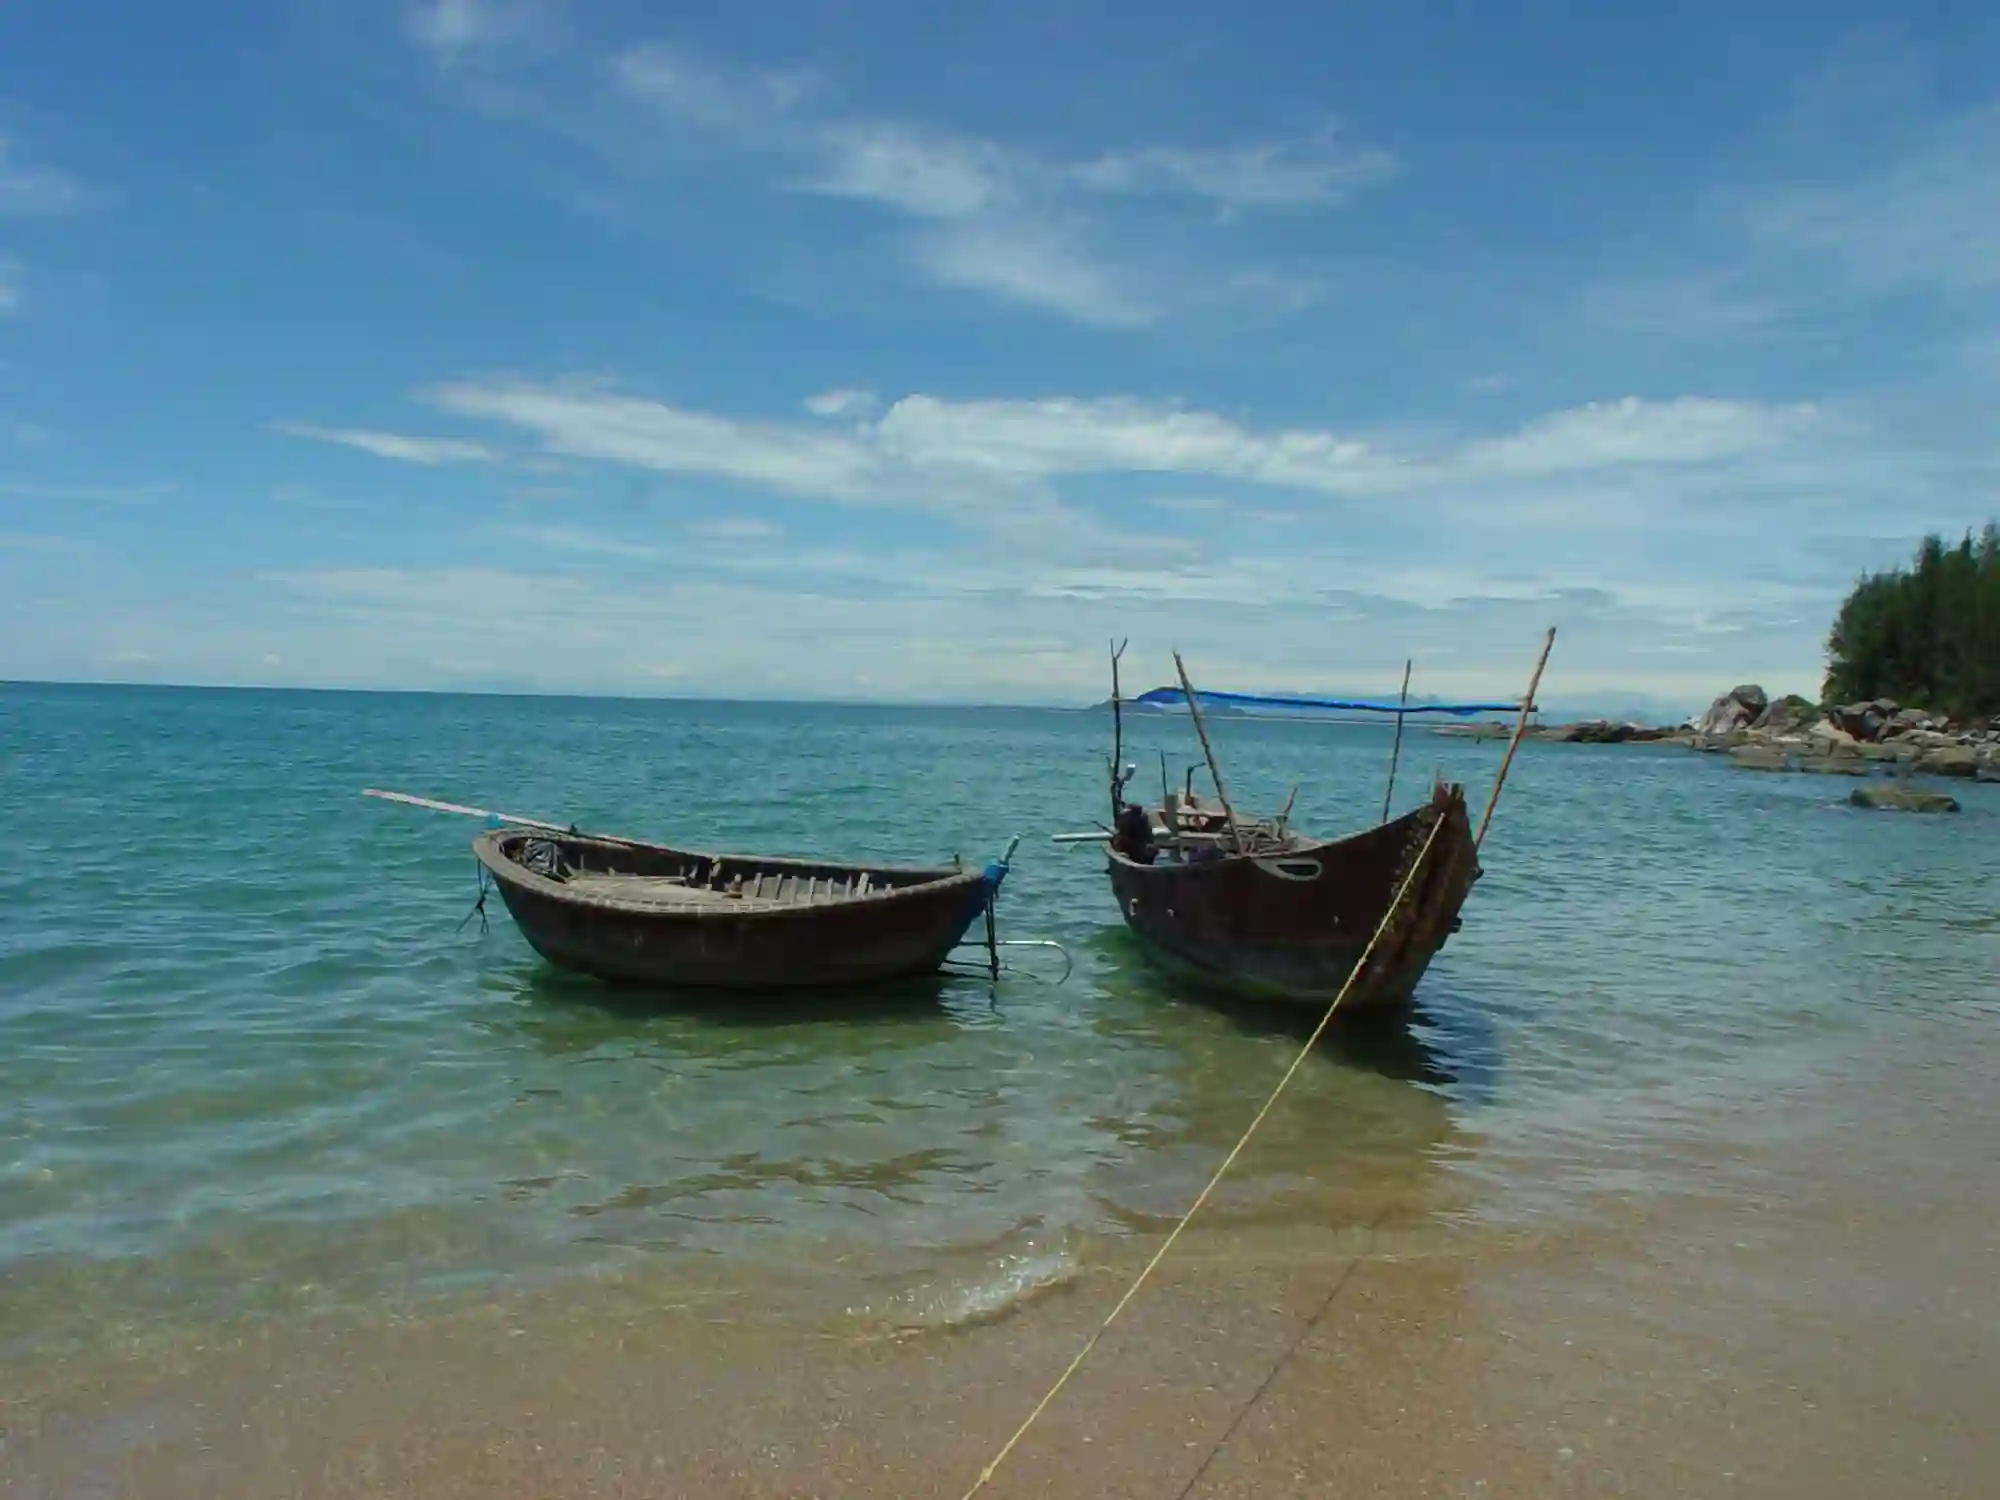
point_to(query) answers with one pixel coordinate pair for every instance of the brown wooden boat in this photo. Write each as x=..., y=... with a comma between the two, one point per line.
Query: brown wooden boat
x=1259, y=908
x=624, y=910
x=1287, y=917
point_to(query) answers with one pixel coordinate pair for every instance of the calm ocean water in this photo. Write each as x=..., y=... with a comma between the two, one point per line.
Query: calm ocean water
x=250, y=1065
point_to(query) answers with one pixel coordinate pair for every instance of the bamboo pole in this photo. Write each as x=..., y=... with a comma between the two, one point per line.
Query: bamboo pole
x=1214, y=771
x=1520, y=728
x=1117, y=732
x=1396, y=750
x=463, y=812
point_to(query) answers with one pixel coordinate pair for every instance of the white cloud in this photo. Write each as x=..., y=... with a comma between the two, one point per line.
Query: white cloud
x=736, y=529
x=1927, y=219
x=1688, y=430
x=1010, y=224
x=675, y=82
x=924, y=174
x=12, y=292
x=842, y=403
x=1032, y=265
x=36, y=192
x=1274, y=174
x=452, y=29
x=28, y=541
x=93, y=494
x=597, y=424
x=932, y=453
x=575, y=539
x=395, y=446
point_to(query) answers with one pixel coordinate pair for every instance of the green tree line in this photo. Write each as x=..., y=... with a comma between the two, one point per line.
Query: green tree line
x=1926, y=635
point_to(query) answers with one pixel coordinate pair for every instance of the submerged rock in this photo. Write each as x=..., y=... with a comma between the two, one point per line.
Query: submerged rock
x=1833, y=765
x=1902, y=799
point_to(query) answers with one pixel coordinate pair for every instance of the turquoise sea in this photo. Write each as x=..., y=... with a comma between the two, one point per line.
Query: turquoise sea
x=254, y=1063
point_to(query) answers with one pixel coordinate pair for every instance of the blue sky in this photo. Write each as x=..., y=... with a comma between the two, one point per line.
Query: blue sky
x=910, y=351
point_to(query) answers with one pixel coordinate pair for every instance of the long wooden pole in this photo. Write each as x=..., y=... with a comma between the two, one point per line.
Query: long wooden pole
x=1520, y=728
x=463, y=812
x=1396, y=750
x=1214, y=771
x=1117, y=731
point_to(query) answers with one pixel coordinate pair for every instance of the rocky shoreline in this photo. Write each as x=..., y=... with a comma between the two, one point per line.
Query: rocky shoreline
x=1759, y=733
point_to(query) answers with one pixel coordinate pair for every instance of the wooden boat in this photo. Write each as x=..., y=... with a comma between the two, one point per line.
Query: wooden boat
x=1261, y=909
x=1288, y=916
x=624, y=910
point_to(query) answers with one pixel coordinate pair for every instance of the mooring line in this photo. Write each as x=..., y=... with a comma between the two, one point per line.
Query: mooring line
x=1271, y=1375
x=993, y=1467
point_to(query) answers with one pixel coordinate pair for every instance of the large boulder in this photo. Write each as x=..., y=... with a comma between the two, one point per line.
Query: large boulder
x=1786, y=715
x=1866, y=721
x=1736, y=709
x=1950, y=760
x=1889, y=798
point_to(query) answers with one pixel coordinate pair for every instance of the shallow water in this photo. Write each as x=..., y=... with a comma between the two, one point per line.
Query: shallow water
x=252, y=1068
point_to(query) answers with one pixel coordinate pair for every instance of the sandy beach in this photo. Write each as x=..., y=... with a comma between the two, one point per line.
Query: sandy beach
x=1822, y=1323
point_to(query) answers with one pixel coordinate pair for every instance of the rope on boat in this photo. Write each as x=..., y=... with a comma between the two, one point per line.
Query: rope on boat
x=479, y=906
x=1069, y=964
x=1409, y=880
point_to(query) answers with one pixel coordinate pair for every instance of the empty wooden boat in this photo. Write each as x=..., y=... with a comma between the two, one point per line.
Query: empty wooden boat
x=624, y=910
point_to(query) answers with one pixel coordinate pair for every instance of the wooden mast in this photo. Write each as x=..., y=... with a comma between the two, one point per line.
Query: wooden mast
x=1396, y=750
x=1520, y=728
x=1214, y=772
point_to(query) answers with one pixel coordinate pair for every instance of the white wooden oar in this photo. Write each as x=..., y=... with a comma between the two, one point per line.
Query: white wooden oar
x=464, y=812
x=1096, y=836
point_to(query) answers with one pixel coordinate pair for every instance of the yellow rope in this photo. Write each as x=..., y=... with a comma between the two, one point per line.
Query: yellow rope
x=986, y=1474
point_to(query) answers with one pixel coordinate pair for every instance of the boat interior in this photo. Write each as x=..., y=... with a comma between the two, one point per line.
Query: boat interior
x=652, y=875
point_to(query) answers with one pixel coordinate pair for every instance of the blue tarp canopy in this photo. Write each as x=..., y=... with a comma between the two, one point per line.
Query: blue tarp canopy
x=1168, y=697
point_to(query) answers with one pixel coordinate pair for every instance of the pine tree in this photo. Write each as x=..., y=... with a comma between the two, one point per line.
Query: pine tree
x=1927, y=636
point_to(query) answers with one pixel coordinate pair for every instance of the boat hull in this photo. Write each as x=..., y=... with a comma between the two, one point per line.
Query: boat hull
x=904, y=928
x=1292, y=925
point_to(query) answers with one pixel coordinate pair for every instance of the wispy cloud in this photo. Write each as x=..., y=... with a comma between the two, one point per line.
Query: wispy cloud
x=27, y=541
x=393, y=445
x=1911, y=210
x=452, y=30
x=1689, y=430
x=1034, y=265
x=1273, y=174
x=1928, y=218
x=745, y=102
x=13, y=292
x=965, y=212
x=576, y=539
x=842, y=403
x=29, y=191
x=90, y=494
x=736, y=529
x=925, y=447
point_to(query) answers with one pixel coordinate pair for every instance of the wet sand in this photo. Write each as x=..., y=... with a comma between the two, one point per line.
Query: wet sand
x=1818, y=1317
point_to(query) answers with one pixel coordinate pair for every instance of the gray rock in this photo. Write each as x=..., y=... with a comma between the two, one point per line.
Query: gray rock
x=1865, y=721
x=1736, y=709
x=1759, y=758
x=1901, y=799
x=1833, y=765
x=1950, y=760
x=1785, y=716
